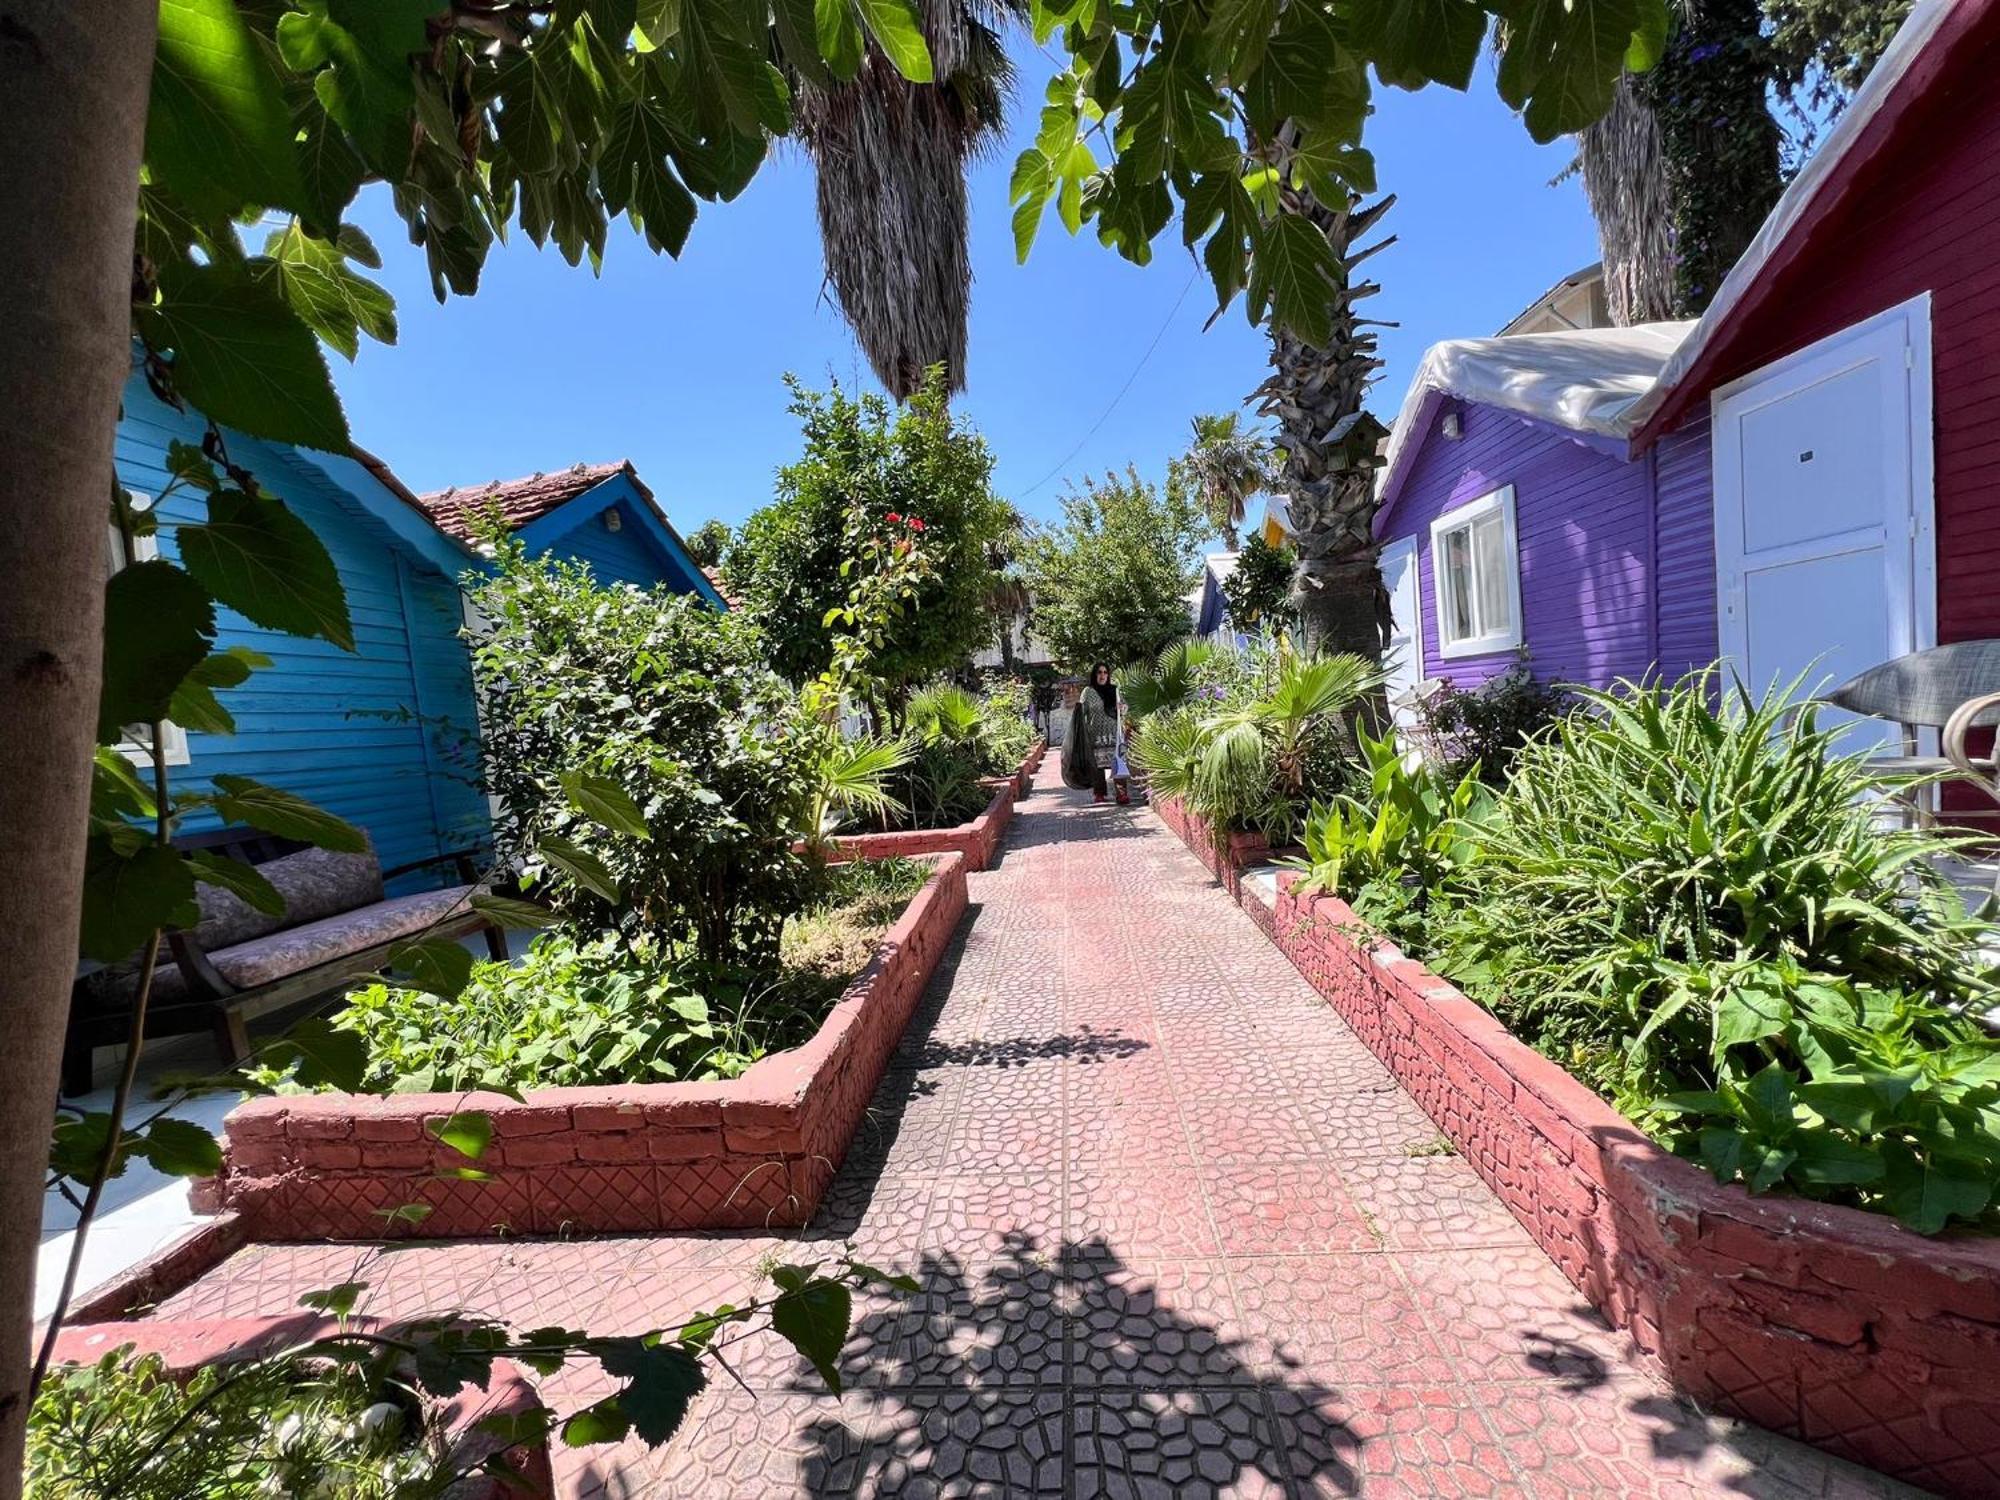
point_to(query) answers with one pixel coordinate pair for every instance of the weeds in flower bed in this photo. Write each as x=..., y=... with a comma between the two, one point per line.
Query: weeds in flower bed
x=1694, y=905
x=124, y=1428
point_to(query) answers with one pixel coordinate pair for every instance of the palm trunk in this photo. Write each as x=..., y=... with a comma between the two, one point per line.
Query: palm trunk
x=1625, y=179
x=73, y=88
x=1330, y=443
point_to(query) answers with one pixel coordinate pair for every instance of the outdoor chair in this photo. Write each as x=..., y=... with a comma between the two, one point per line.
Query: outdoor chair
x=339, y=926
x=1953, y=689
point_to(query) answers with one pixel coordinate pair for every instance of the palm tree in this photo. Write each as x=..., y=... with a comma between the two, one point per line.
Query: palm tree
x=1225, y=466
x=1330, y=445
x=891, y=158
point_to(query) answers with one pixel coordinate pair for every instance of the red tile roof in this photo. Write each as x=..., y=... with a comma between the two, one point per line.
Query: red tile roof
x=458, y=510
x=714, y=577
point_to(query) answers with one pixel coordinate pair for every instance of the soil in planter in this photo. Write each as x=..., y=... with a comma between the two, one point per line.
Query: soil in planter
x=124, y=1427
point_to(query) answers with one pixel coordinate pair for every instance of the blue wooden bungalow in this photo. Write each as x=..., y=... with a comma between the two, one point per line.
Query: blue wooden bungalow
x=602, y=514
x=386, y=735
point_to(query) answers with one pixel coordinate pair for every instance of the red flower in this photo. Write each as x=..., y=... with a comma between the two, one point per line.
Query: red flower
x=916, y=524
x=894, y=517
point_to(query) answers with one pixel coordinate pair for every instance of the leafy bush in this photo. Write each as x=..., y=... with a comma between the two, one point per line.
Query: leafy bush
x=1699, y=910
x=1392, y=844
x=1006, y=723
x=1259, y=590
x=1110, y=581
x=123, y=1427
x=1483, y=728
x=589, y=1012
x=863, y=455
x=1256, y=745
x=649, y=766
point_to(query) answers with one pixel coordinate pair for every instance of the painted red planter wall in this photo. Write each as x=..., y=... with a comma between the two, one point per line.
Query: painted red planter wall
x=1826, y=1323
x=1226, y=859
x=748, y=1153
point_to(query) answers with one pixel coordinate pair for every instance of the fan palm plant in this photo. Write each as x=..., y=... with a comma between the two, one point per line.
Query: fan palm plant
x=849, y=779
x=891, y=157
x=943, y=711
x=1226, y=465
x=1169, y=682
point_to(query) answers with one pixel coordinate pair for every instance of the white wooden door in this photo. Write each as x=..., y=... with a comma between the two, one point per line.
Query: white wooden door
x=1405, y=654
x=1824, y=550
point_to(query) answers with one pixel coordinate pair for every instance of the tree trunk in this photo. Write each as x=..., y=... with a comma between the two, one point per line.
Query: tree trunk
x=1341, y=604
x=1625, y=179
x=73, y=87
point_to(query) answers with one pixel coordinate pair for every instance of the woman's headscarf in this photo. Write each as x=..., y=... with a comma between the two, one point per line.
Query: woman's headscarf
x=1107, y=689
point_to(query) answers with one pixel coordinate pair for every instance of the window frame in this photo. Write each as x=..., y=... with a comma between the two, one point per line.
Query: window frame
x=1464, y=518
x=173, y=738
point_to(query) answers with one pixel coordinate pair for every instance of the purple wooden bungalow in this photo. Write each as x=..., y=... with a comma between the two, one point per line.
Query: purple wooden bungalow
x=1515, y=520
x=1803, y=484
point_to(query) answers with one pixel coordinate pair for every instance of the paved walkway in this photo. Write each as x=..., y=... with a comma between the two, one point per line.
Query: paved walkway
x=1179, y=1233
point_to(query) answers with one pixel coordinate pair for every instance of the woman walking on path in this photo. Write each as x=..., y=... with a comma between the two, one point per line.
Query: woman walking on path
x=1093, y=750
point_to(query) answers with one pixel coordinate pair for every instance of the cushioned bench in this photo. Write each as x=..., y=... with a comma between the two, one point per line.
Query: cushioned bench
x=237, y=963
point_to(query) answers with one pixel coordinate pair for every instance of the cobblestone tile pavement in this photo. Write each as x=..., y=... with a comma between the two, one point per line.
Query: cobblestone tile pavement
x=1178, y=1234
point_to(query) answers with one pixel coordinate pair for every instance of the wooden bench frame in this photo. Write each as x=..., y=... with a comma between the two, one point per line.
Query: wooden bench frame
x=212, y=1003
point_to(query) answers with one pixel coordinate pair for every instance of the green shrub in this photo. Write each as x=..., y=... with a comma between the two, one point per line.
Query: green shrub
x=1387, y=847
x=122, y=1427
x=592, y=1012
x=1483, y=728
x=1006, y=723
x=1699, y=910
x=671, y=704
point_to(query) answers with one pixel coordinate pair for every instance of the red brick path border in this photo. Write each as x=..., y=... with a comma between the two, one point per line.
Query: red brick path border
x=1825, y=1323
x=749, y=1153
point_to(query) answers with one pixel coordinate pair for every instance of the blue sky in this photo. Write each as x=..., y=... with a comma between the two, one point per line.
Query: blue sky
x=677, y=365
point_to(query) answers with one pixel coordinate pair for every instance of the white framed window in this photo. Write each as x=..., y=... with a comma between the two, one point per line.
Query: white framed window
x=137, y=745
x=1476, y=567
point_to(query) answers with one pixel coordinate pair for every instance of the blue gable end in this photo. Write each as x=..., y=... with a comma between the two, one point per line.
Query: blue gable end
x=386, y=735
x=642, y=550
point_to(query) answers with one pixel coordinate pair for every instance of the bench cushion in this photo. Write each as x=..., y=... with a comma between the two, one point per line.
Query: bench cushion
x=277, y=955
x=315, y=883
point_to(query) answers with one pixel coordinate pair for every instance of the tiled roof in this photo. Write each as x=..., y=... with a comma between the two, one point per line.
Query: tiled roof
x=458, y=510
x=714, y=577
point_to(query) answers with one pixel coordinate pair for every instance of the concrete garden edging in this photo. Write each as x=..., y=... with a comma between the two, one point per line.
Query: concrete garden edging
x=1821, y=1322
x=187, y=1345
x=747, y=1153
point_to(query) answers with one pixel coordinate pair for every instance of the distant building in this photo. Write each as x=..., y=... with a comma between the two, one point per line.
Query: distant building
x=1577, y=301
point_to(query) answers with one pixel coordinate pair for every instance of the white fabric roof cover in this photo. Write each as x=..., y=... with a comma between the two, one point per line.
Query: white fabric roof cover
x=1909, y=44
x=1586, y=380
